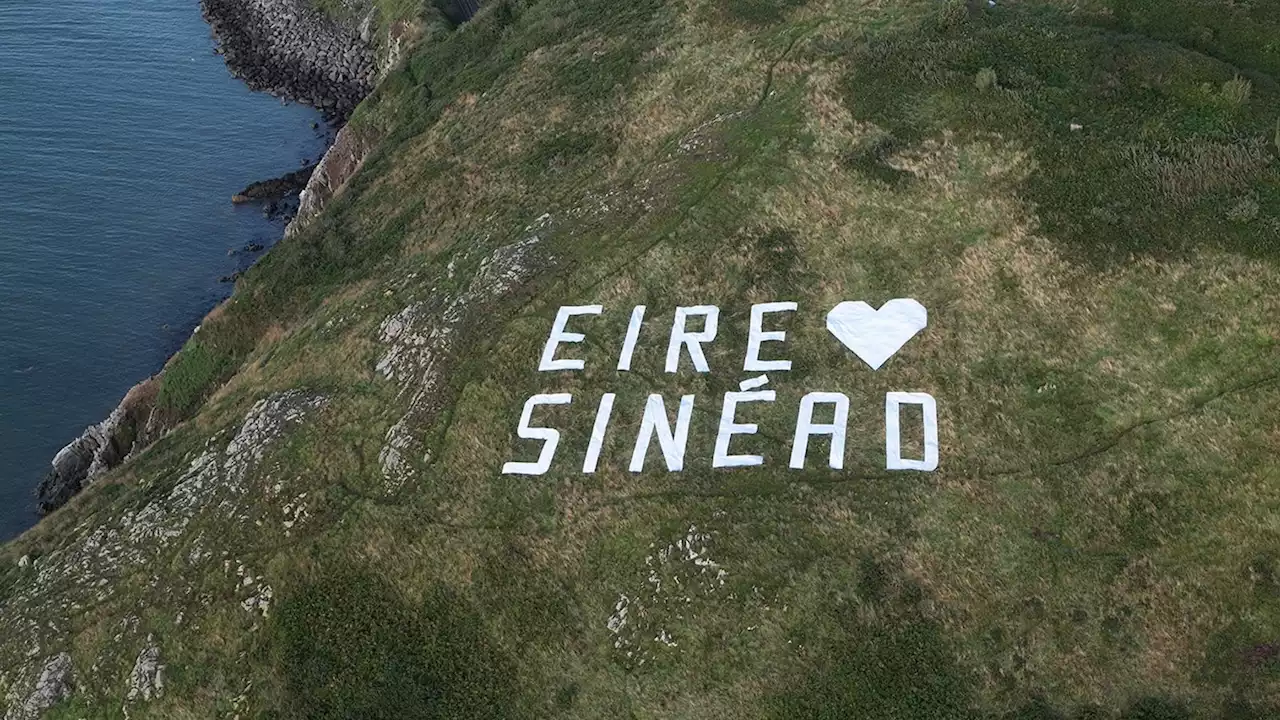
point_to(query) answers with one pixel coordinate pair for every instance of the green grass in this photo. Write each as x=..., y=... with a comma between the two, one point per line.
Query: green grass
x=1165, y=135
x=348, y=646
x=196, y=370
x=1098, y=541
x=900, y=669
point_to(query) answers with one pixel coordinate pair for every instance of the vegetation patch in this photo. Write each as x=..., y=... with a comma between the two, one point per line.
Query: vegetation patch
x=347, y=645
x=1139, y=145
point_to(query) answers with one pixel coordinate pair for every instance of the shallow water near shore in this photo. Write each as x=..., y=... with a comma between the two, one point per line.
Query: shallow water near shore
x=122, y=140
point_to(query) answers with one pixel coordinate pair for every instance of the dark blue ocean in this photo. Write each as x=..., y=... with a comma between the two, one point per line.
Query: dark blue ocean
x=122, y=140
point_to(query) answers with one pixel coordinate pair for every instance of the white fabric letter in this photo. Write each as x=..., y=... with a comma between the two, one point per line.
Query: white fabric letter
x=550, y=438
x=559, y=335
x=806, y=428
x=694, y=340
x=655, y=420
x=893, y=436
x=757, y=336
x=633, y=333
x=597, y=433
x=729, y=427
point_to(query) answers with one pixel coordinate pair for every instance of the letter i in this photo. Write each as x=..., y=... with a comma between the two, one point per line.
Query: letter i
x=633, y=334
x=603, y=414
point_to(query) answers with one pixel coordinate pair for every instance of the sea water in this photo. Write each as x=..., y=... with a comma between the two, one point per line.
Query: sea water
x=122, y=140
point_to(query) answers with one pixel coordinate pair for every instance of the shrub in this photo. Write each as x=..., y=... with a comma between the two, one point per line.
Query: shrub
x=986, y=79
x=1245, y=210
x=1237, y=91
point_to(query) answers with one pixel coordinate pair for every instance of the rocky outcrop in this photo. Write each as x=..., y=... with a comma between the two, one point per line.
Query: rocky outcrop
x=275, y=188
x=342, y=160
x=84, y=571
x=279, y=196
x=103, y=446
x=53, y=685
x=291, y=50
x=147, y=678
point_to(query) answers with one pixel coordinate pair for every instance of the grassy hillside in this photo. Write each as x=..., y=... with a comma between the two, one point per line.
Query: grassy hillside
x=1084, y=195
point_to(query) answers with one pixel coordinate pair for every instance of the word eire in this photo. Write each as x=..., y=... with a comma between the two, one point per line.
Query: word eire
x=873, y=335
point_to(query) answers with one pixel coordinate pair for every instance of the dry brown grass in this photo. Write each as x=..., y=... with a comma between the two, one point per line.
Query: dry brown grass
x=1186, y=172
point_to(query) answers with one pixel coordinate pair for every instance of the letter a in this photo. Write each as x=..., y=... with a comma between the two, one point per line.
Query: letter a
x=806, y=428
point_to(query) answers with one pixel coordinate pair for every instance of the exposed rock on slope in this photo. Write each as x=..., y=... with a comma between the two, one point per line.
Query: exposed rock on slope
x=52, y=685
x=338, y=165
x=147, y=678
x=95, y=556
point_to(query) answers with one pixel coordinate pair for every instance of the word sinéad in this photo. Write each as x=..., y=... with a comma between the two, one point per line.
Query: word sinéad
x=873, y=335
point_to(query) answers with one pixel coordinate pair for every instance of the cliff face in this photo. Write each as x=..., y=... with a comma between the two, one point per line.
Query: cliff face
x=353, y=144
x=133, y=424
x=381, y=495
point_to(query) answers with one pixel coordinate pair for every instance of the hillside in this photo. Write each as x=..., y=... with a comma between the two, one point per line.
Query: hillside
x=1083, y=195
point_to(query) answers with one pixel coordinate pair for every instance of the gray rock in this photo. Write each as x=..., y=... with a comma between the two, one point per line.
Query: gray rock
x=147, y=679
x=101, y=447
x=288, y=48
x=52, y=687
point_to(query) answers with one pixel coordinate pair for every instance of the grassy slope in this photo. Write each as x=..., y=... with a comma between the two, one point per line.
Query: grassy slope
x=1099, y=539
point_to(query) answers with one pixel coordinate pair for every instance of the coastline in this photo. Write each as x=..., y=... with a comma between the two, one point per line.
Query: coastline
x=291, y=51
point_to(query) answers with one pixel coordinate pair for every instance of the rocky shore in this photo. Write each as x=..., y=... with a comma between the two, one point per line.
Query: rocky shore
x=289, y=49
x=275, y=188
x=283, y=47
x=133, y=424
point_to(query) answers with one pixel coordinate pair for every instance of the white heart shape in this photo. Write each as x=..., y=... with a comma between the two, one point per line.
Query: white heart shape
x=875, y=335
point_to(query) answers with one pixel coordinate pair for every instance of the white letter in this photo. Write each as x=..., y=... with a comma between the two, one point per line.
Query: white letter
x=893, y=438
x=633, y=333
x=655, y=419
x=550, y=437
x=757, y=336
x=693, y=340
x=597, y=432
x=558, y=335
x=806, y=428
x=729, y=428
